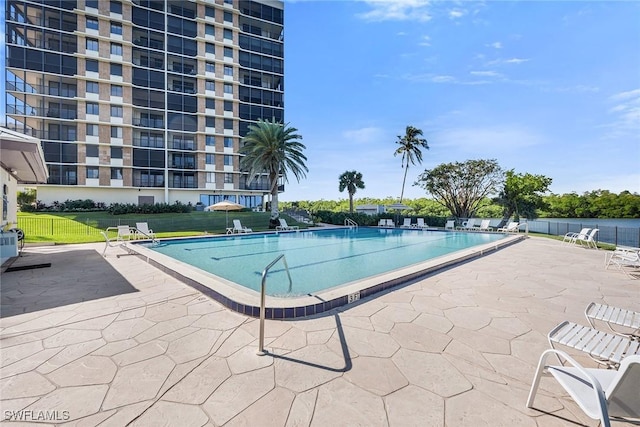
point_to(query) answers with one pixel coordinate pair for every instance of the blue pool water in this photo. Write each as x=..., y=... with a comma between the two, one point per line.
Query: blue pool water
x=319, y=259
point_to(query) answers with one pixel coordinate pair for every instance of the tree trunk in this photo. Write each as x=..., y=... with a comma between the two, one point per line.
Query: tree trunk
x=505, y=217
x=350, y=203
x=273, y=221
x=406, y=169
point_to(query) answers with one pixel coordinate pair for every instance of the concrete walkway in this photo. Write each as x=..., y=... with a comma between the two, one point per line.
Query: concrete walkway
x=92, y=341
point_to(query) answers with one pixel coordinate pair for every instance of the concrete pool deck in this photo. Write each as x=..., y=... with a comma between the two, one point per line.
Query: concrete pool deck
x=114, y=341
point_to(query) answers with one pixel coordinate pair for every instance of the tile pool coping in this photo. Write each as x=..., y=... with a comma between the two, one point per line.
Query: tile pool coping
x=247, y=301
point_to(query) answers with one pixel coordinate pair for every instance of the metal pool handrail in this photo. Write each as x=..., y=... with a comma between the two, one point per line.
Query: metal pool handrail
x=350, y=222
x=263, y=289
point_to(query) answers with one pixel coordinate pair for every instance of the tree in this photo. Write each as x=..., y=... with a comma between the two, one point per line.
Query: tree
x=351, y=181
x=273, y=148
x=461, y=187
x=522, y=195
x=410, y=145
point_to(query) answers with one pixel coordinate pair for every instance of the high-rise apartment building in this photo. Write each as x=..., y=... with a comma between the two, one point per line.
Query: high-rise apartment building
x=144, y=101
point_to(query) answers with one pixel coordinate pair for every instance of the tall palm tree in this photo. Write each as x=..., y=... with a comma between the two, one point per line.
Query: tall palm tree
x=273, y=148
x=351, y=181
x=410, y=145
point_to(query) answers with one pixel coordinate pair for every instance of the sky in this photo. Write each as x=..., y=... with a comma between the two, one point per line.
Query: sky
x=544, y=87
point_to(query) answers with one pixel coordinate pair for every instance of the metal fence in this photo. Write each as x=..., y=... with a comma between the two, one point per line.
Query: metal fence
x=615, y=235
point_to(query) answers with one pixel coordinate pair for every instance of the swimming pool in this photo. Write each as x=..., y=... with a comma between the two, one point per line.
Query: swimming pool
x=328, y=267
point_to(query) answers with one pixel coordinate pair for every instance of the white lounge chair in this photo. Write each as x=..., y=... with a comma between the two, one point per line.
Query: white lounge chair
x=239, y=228
x=382, y=223
x=512, y=227
x=420, y=223
x=603, y=347
x=601, y=393
x=468, y=224
x=617, y=316
x=588, y=239
x=484, y=225
x=143, y=231
x=450, y=225
x=109, y=243
x=390, y=223
x=284, y=226
x=625, y=257
x=572, y=237
x=124, y=233
x=406, y=223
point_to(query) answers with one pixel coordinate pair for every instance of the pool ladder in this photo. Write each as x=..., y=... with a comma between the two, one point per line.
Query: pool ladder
x=351, y=223
x=263, y=289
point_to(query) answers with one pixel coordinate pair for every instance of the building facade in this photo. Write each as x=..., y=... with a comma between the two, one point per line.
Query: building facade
x=144, y=101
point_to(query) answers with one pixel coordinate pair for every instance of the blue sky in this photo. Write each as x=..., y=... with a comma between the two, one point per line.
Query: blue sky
x=544, y=87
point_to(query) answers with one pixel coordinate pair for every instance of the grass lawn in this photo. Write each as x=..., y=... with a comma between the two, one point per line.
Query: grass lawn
x=85, y=227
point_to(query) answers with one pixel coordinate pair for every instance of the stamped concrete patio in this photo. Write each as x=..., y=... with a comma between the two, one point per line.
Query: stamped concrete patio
x=114, y=342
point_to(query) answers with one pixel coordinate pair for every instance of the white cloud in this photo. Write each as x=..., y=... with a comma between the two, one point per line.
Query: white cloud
x=443, y=79
x=365, y=135
x=495, y=45
x=486, y=73
x=397, y=10
x=488, y=141
x=501, y=61
x=457, y=13
x=425, y=41
x=626, y=114
x=516, y=60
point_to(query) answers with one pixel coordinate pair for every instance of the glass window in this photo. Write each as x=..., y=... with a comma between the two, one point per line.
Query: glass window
x=91, y=3
x=92, y=65
x=228, y=88
x=228, y=70
x=116, y=28
x=116, y=132
x=93, y=108
x=228, y=160
x=228, y=17
x=210, y=67
x=228, y=34
x=210, y=48
x=92, y=44
x=116, y=49
x=92, y=172
x=228, y=106
x=93, y=87
x=228, y=124
x=211, y=177
x=116, y=90
x=92, y=23
x=210, y=12
x=116, y=111
x=211, y=159
x=116, y=69
x=210, y=140
x=116, y=173
x=228, y=52
x=115, y=7
x=210, y=103
x=92, y=151
x=210, y=30
x=116, y=152
x=92, y=130
x=228, y=141
x=210, y=85
x=211, y=122
x=228, y=178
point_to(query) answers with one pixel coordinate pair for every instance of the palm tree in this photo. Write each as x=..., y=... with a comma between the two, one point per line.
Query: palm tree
x=273, y=148
x=351, y=181
x=410, y=145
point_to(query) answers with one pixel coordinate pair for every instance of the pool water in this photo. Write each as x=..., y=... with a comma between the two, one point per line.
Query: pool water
x=318, y=260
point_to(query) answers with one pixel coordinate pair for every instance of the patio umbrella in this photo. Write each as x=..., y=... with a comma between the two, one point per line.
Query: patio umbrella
x=398, y=207
x=225, y=206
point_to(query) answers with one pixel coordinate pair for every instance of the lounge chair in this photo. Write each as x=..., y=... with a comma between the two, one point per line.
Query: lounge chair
x=390, y=223
x=571, y=237
x=406, y=223
x=143, y=231
x=420, y=223
x=239, y=228
x=382, y=223
x=512, y=227
x=588, y=239
x=109, y=243
x=603, y=347
x=468, y=224
x=484, y=225
x=601, y=393
x=124, y=233
x=284, y=226
x=614, y=316
x=625, y=257
x=450, y=225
